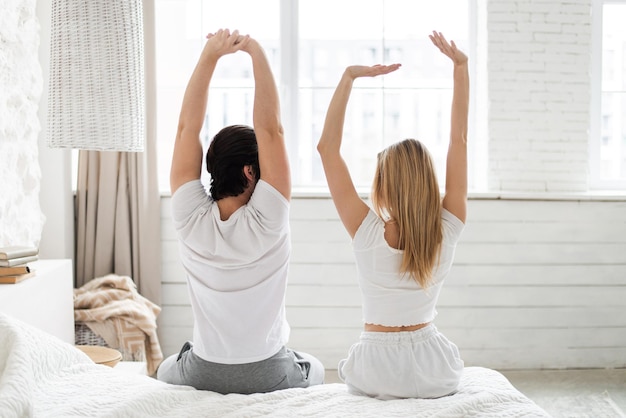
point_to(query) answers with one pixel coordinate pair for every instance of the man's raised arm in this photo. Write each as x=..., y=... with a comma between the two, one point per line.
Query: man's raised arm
x=187, y=156
x=273, y=159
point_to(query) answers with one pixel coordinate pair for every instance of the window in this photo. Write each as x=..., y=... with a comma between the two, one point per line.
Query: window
x=608, y=123
x=309, y=43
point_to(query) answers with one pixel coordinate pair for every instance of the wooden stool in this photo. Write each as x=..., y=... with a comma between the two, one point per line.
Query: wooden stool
x=101, y=355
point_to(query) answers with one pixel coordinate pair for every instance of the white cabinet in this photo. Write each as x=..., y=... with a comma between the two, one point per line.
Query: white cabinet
x=45, y=300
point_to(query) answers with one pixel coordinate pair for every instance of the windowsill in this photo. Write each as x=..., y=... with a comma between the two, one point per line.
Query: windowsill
x=593, y=196
x=599, y=195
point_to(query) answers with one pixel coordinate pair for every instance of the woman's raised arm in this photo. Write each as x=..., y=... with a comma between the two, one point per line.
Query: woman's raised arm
x=455, y=198
x=352, y=210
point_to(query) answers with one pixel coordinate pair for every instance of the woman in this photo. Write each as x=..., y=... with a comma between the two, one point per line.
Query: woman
x=403, y=248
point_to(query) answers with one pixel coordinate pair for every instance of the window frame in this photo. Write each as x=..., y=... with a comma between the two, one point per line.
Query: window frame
x=596, y=182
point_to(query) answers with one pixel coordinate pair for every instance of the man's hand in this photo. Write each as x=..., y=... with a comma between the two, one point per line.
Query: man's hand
x=251, y=46
x=223, y=42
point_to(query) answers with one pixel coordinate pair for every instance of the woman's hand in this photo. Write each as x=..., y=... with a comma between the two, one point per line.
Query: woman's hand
x=356, y=71
x=449, y=49
x=455, y=198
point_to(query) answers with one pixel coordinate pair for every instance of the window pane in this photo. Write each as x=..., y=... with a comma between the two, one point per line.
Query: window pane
x=422, y=114
x=257, y=18
x=613, y=108
x=330, y=41
x=181, y=27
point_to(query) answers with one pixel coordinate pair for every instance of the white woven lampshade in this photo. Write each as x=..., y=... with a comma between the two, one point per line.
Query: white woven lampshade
x=97, y=87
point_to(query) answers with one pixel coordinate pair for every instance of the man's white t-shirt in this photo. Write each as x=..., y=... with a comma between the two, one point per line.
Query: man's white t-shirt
x=236, y=272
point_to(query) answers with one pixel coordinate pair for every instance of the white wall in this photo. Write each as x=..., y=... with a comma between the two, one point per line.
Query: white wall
x=535, y=284
x=20, y=88
x=36, y=197
x=36, y=205
x=539, y=60
x=56, y=197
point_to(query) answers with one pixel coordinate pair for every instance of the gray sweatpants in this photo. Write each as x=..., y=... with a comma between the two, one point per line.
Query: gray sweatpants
x=285, y=369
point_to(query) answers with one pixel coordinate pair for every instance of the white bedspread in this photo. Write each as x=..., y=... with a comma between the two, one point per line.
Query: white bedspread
x=41, y=376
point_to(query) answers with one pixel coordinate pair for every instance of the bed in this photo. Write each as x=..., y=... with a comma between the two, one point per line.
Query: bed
x=42, y=376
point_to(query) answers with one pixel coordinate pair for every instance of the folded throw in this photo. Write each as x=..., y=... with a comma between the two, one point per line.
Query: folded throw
x=113, y=309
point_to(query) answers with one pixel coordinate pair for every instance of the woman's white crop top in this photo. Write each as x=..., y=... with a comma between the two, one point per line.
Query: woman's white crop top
x=390, y=298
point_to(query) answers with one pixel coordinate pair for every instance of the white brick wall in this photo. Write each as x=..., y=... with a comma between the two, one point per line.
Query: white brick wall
x=539, y=59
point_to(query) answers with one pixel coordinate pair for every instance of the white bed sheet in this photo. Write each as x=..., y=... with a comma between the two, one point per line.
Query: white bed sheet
x=41, y=376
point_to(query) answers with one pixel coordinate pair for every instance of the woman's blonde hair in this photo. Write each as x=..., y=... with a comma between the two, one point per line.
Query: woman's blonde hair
x=406, y=190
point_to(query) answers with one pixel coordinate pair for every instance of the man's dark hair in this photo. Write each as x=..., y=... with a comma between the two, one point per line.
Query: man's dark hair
x=231, y=149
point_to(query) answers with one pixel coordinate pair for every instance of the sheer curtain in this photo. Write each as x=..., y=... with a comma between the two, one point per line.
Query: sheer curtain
x=118, y=217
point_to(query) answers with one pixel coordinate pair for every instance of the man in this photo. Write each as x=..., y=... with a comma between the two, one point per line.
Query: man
x=234, y=242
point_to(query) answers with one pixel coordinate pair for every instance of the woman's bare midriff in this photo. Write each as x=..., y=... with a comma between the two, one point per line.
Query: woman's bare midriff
x=381, y=328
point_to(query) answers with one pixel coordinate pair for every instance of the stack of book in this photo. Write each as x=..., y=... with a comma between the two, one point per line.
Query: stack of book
x=14, y=263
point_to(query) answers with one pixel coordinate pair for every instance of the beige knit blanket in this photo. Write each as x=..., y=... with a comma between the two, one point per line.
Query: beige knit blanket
x=113, y=309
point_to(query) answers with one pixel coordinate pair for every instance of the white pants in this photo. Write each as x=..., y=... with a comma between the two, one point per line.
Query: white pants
x=394, y=365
